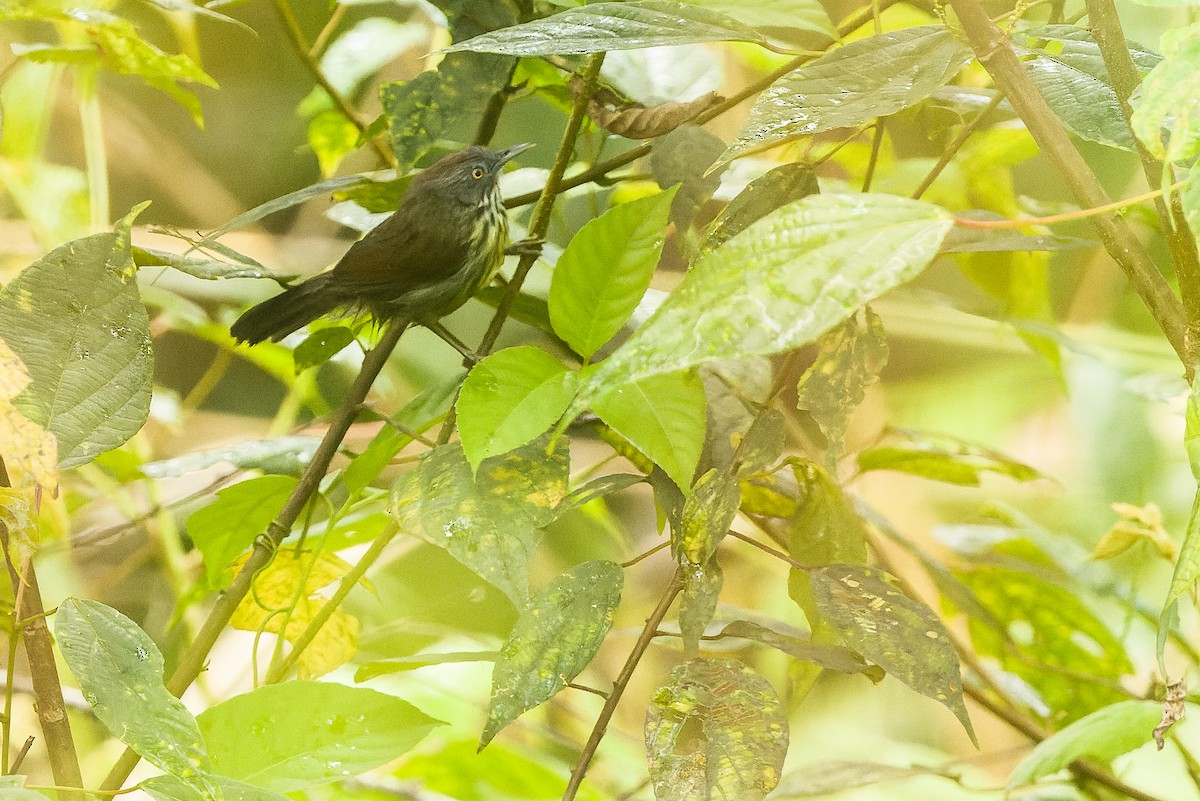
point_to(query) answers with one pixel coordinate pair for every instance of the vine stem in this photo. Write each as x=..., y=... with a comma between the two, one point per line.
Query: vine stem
x=192, y=661
x=996, y=55
x=1068, y=216
x=621, y=682
x=305, y=51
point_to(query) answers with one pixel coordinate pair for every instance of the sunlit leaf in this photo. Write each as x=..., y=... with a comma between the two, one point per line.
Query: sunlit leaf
x=286, y=737
x=708, y=510
x=888, y=628
x=172, y=788
x=954, y=464
x=120, y=671
x=1102, y=735
x=716, y=730
x=556, y=636
x=491, y=523
x=321, y=345
x=868, y=78
x=781, y=283
x=286, y=597
x=75, y=320
x=509, y=398
x=660, y=415
x=769, y=15
x=30, y=451
x=612, y=26
x=605, y=270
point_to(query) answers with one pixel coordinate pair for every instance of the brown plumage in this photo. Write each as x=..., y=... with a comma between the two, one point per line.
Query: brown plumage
x=444, y=243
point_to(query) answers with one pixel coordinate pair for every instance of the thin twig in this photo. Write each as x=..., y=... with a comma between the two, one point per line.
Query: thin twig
x=620, y=683
x=952, y=149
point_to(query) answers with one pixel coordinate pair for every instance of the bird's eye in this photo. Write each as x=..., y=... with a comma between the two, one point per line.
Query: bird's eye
x=477, y=173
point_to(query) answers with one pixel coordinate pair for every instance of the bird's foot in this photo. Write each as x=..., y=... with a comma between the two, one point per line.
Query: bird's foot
x=526, y=247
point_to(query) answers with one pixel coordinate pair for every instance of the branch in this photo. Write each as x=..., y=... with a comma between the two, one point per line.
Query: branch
x=620, y=683
x=192, y=661
x=43, y=671
x=994, y=53
x=1106, y=28
x=310, y=61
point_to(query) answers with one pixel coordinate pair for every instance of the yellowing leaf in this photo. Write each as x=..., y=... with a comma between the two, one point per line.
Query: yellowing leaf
x=285, y=600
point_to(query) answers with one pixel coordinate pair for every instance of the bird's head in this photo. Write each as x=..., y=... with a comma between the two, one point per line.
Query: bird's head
x=470, y=175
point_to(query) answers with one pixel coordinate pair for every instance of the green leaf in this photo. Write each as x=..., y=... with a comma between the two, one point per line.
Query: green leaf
x=600, y=27
x=831, y=657
x=598, y=488
x=823, y=527
x=126, y=51
x=698, y=602
x=767, y=15
x=1102, y=735
x=120, y=672
x=716, y=730
x=225, y=529
x=207, y=269
x=556, y=636
x=332, y=136
x=425, y=109
x=1070, y=74
x=456, y=770
x=708, y=511
x=509, y=398
x=660, y=415
x=490, y=523
x=75, y=319
x=605, y=270
x=781, y=283
x=321, y=345
x=868, y=78
x=1037, y=630
x=403, y=664
x=290, y=736
x=1166, y=115
x=356, y=55
x=320, y=189
x=902, y=636
x=282, y=455
x=778, y=187
x=762, y=444
x=170, y=788
x=981, y=240
x=960, y=464
x=850, y=359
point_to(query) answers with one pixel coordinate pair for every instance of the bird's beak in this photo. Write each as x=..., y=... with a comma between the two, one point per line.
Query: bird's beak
x=509, y=153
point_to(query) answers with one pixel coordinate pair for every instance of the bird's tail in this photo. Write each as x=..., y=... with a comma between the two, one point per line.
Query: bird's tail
x=279, y=316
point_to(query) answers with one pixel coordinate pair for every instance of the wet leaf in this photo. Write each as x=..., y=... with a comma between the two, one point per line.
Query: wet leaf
x=492, y=522
x=715, y=730
x=902, y=636
x=554, y=639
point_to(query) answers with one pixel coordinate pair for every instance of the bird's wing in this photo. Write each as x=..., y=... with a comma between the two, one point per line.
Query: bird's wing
x=403, y=252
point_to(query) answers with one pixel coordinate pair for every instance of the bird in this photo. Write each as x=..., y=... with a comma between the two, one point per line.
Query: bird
x=445, y=242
